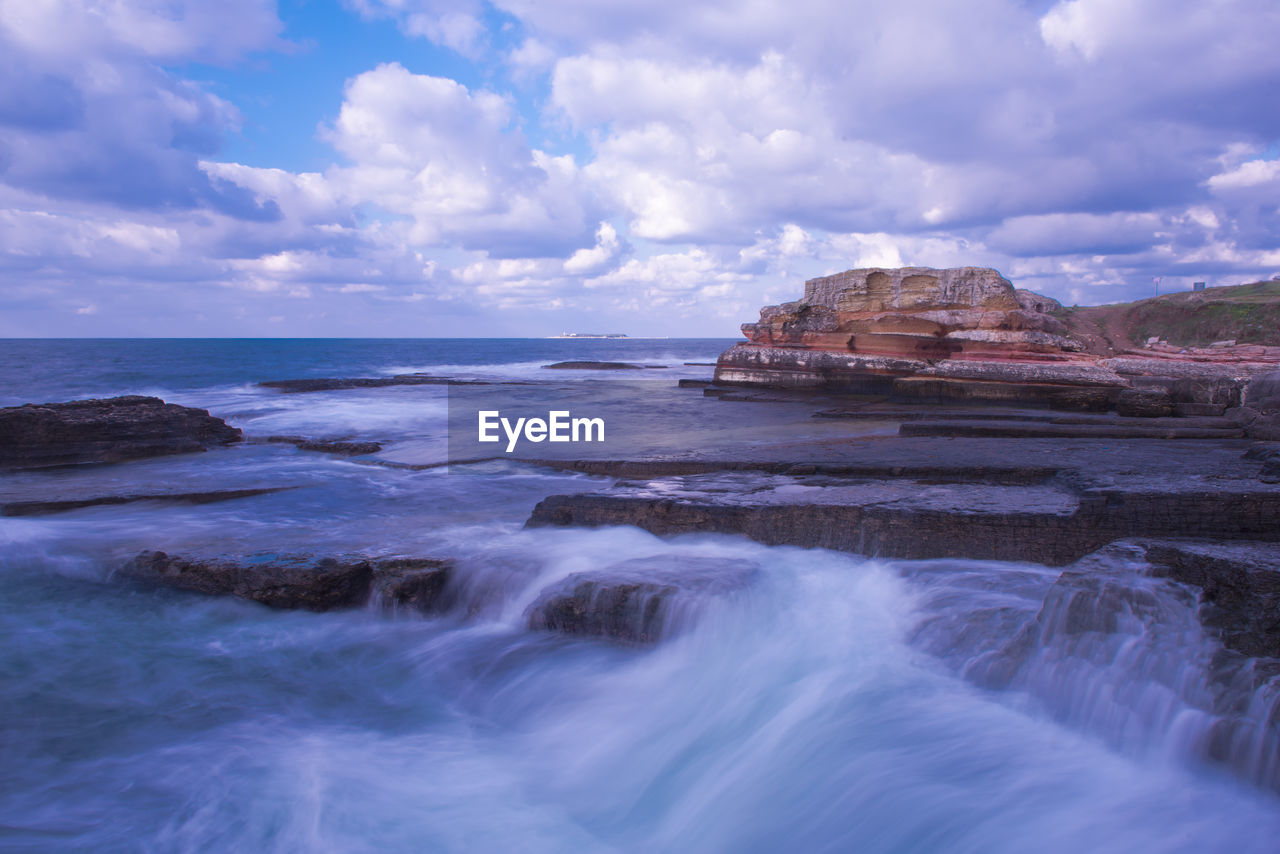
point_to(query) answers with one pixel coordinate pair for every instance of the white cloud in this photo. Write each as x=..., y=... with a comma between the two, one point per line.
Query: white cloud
x=530, y=58
x=591, y=260
x=713, y=152
x=128, y=29
x=676, y=271
x=701, y=158
x=1076, y=234
x=306, y=196
x=454, y=24
x=1250, y=175
x=430, y=149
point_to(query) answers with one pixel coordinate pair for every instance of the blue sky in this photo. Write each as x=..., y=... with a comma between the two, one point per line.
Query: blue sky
x=522, y=167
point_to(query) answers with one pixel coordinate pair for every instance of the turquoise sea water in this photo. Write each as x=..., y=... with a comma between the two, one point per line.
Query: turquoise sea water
x=822, y=708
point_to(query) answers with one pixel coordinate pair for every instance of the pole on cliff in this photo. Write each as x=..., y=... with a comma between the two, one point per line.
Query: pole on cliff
x=1156, y=281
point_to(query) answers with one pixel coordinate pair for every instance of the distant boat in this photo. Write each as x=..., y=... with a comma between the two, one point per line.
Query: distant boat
x=589, y=335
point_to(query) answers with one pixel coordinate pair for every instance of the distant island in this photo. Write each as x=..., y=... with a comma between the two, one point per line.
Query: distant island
x=589, y=335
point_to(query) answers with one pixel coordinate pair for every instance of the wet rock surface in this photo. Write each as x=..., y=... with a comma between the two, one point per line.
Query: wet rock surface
x=411, y=584
x=105, y=431
x=1239, y=586
x=301, y=386
x=1115, y=430
x=923, y=498
x=299, y=581
x=1032, y=423
x=338, y=447
x=40, y=508
x=1142, y=620
x=599, y=366
x=636, y=601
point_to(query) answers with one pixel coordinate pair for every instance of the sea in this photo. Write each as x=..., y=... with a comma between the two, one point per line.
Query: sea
x=829, y=705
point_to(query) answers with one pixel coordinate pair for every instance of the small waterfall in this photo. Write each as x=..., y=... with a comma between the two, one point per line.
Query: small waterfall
x=1108, y=649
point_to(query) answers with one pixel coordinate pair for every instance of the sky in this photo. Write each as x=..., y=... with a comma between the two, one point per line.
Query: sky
x=445, y=168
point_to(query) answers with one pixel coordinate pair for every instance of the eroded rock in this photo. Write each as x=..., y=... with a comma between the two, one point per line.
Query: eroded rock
x=637, y=601
x=1260, y=413
x=1170, y=634
x=416, y=584
x=62, y=505
x=965, y=334
x=105, y=431
x=599, y=366
x=914, y=312
x=1239, y=586
x=1053, y=523
x=279, y=581
x=300, y=581
x=313, y=384
x=338, y=447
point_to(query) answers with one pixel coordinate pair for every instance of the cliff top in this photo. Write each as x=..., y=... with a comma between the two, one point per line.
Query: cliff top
x=910, y=288
x=1245, y=314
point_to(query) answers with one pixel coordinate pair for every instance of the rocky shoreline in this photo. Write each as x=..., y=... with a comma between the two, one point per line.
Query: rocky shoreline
x=966, y=335
x=1052, y=477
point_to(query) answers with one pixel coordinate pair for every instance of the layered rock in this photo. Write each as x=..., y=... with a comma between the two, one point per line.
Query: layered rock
x=1260, y=412
x=104, y=431
x=915, y=312
x=964, y=334
x=337, y=447
x=599, y=366
x=1051, y=523
x=636, y=601
x=1238, y=584
x=410, y=584
x=1175, y=629
x=61, y=505
x=300, y=581
x=312, y=384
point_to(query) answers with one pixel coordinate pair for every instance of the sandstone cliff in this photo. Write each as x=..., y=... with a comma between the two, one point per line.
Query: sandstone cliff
x=966, y=334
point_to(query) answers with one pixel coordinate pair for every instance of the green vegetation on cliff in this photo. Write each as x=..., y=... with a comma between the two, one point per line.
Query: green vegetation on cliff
x=1249, y=314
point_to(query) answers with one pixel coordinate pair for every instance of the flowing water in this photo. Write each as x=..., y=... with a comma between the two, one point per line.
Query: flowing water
x=834, y=703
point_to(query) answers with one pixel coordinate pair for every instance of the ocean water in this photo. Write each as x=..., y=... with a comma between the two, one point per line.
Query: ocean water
x=835, y=703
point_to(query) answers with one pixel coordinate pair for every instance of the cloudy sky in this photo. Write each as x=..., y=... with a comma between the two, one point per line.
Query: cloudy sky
x=522, y=167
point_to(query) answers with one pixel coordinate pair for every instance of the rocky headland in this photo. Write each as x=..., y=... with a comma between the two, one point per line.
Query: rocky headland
x=966, y=334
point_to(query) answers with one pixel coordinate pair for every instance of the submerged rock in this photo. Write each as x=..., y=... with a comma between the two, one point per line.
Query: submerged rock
x=416, y=584
x=636, y=601
x=600, y=366
x=299, y=581
x=1239, y=585
x=105, y=431
x=1161, y=636
x=61, y=505
x=339, y=447
x=302, y=386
